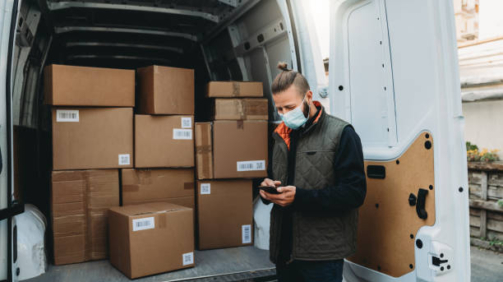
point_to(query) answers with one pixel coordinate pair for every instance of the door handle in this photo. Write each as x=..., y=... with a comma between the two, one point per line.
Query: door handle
x=421, y=201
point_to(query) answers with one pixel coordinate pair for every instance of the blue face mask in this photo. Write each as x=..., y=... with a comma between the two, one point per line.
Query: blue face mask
x=295, y=118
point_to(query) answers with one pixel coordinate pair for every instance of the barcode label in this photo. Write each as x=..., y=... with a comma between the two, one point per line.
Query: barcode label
x=67, y=116
x=124, y=159
x=251, y=165
x=143, y=223
x=246, y=234
x=184, y=134
x=188, y=258
x=186, y=122
x=205, y=188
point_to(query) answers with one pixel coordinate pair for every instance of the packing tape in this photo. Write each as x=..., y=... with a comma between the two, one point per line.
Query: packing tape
x=240, y=105
x=240, y=124
x=131, y=188
x=236, y=89
x=188, y=186
x=205, y=152
x=203, y=149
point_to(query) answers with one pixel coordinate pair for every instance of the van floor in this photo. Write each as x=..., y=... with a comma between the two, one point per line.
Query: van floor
x=232, y=264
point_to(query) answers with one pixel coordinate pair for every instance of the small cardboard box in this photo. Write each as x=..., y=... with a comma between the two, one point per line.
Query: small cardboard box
x=240, y=109
x=86, y=86
x=164, y=141
x=226, y=89
x=225, y=213
x=79, y=202
x=166, y=90
x=92, y=138
x=151, y=238
x=231, y=149
x=175, y=186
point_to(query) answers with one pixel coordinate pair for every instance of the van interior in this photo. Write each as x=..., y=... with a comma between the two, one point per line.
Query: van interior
x=240, y=40
x=393, y=75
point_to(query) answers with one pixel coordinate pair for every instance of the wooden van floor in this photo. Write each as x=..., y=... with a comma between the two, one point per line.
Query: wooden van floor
x=234, y=264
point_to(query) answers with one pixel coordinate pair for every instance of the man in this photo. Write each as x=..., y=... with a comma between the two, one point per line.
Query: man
x=317, y=168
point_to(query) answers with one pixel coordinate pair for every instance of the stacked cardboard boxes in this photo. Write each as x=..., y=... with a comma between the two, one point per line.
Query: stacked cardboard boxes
x=158, y=195
x=92, y=136
x=230, y=151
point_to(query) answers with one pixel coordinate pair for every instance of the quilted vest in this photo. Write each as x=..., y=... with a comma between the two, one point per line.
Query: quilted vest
x=316, y=236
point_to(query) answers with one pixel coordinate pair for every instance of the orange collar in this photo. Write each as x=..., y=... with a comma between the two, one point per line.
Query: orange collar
x=284, y=131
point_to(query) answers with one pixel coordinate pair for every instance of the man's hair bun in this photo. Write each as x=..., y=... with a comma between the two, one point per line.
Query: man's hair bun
x=283, y=66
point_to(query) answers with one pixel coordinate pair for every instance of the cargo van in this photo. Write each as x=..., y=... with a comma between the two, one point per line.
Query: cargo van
x=393, y=74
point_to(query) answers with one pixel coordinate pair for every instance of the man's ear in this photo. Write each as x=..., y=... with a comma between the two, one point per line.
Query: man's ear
x=309, y=96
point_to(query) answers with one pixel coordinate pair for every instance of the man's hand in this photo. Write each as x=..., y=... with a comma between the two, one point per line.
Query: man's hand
x=285, y=198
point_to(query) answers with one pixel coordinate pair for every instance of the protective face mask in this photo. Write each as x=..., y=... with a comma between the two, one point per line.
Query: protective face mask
x=295, y=118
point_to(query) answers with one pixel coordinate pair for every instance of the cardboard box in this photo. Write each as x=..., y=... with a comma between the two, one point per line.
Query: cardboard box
x=225, y=213
x=91, y=138
x=164, y=141
x=158, y=185
x=79, y=202
x=166, y=90
x=231, y=149
x=151, y=238
x=226, y=89
x=240, y=109
x=86, y=86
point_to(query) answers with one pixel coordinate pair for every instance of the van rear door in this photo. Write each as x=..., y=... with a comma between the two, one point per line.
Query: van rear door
x=394, y=75
x=8, y=207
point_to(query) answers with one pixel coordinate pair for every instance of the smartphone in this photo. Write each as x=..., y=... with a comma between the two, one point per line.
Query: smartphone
x=269, y=189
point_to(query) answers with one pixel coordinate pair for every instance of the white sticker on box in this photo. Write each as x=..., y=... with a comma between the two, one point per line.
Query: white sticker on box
x=246, y=234
x=251, y=165
x=143, y=223
x=124, y=159
x=67, y=115
x=188, y=258
x=183, y=134
x=205, y=188
x=186, y=122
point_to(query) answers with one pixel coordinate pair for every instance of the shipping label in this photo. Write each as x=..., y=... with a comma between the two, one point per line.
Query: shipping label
x=67, y=115
x=182, y=134
x=143, y=223
x=246, y=234
x=251, y=165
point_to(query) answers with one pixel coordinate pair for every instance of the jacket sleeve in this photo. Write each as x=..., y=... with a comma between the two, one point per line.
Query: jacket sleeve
x=349, y=189
x=269, y=175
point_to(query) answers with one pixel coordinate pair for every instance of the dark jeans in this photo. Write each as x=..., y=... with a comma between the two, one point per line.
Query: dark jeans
x=310, y=271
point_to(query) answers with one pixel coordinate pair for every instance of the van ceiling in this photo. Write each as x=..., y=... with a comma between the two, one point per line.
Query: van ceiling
x=104, y=32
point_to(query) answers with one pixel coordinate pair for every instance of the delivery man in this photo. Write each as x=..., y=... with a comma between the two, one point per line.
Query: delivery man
x=318, y=172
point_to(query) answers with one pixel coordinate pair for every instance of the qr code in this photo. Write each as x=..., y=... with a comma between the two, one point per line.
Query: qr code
x=188, y=258
x=205, y=188
x=124, y=159
x=186, y=122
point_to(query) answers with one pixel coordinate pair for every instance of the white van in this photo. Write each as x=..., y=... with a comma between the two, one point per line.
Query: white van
x=393, y=74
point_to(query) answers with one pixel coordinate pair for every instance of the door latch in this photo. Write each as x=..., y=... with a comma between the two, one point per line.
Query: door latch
x=419, y=201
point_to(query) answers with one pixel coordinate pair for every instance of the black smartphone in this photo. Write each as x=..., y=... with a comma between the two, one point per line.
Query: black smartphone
x=269, y=189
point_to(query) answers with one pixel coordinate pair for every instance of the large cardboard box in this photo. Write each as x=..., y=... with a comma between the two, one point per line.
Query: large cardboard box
x=91, y=138
x=164, y=141
x=225, y=213
x=158, y=185
x=151, y=238
x=166, y=90
x=86, y=86
x=231, y=149
x=240, y=109
x=79, y=202
x=226, y=89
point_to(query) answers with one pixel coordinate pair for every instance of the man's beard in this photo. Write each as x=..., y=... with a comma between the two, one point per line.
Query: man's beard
x=306, y=109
